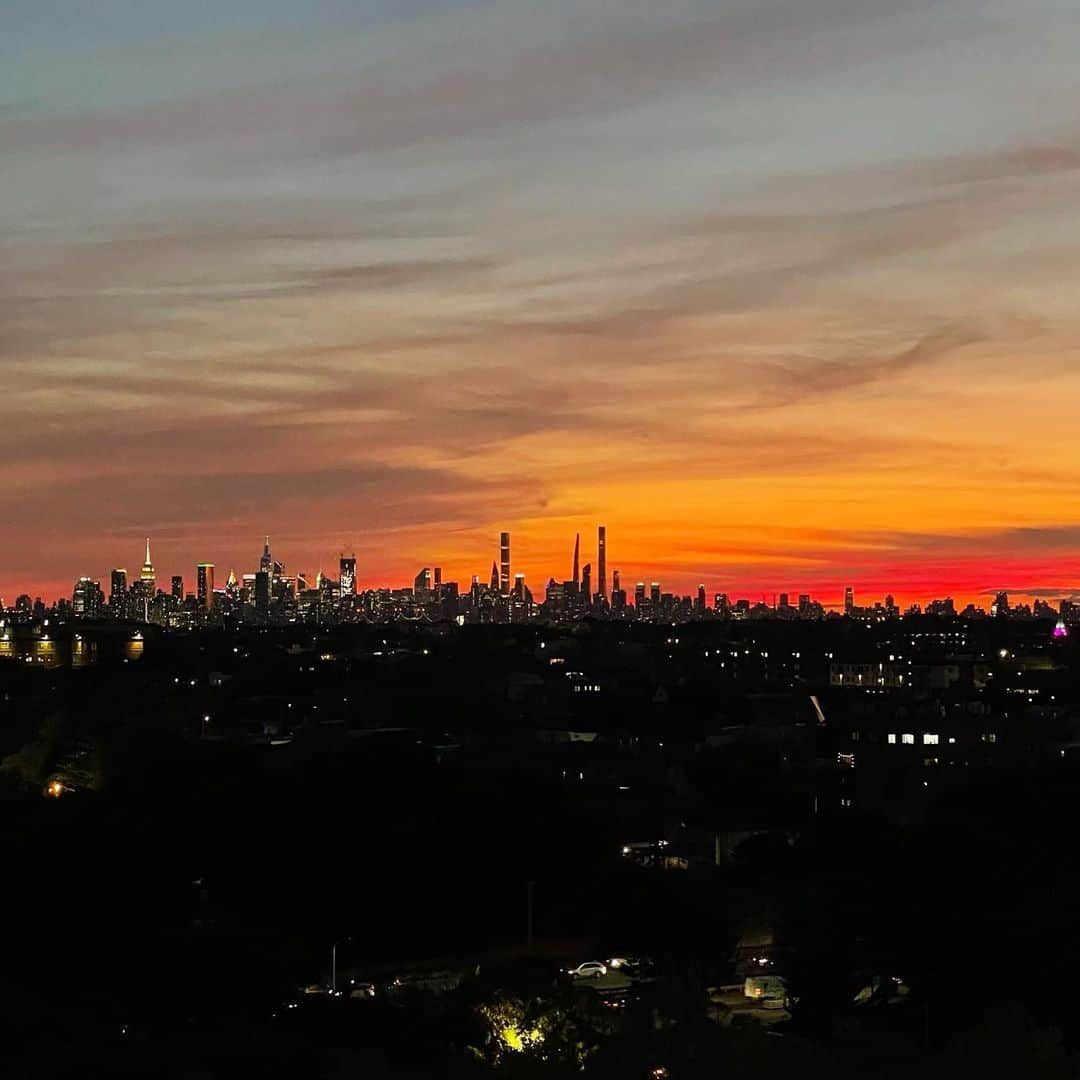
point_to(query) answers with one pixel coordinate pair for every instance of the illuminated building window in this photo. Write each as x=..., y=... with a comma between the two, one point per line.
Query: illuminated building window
x=892, y=739
x=989, y=737
x=930, y=739
x=908, y=740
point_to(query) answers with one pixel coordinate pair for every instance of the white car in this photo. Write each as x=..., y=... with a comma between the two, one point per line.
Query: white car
x=591, y=969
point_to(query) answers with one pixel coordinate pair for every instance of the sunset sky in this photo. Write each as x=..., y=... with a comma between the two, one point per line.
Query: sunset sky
x=786, y=294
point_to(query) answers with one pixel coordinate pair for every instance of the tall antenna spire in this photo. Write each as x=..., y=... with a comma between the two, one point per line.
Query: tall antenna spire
x=148, y=551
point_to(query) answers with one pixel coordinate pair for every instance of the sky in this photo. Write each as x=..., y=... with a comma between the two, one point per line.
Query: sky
x=783, y=293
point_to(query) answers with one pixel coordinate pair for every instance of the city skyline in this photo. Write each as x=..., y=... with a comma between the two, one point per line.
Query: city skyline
x=783, y=294
x=506, y=567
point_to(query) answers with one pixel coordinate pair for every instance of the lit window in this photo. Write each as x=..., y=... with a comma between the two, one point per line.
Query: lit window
x=892, y=739
x=990, y=737
x=908, y=740
x=930, y=739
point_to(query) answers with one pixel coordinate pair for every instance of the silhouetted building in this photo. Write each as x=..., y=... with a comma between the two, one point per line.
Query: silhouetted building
x=262, y=592
x=504, y=563
x=118, y=589
x=204, y=585
x=601, y=558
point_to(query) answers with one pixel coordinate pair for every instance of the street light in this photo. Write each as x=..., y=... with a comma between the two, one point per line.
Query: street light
x=333, y=963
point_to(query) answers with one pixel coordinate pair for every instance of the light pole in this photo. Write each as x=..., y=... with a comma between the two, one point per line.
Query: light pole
x=333, y=962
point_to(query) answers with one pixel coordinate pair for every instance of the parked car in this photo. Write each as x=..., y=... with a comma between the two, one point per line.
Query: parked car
x=591, y=969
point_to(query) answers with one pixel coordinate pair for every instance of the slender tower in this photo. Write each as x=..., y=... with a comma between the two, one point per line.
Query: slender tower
x=504, y=563
x=146, y=575
x=601, y=558
x=577, y=560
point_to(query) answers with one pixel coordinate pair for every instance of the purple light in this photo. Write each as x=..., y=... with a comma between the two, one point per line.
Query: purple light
x=1061, y=630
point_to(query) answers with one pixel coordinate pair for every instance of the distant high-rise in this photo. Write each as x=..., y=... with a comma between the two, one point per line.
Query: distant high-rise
x=438, y=578
x=262, y=592
x=639, y=596
x=146, y=574
x=347, y=574
x=586, y=584
x=422, y=582
x=654, y=593
x=177, y=587
x=849, y=600
x=118, y=588
x=577, y=560
x=615, y=586
x=601, y=558
x=494, y=583
x=204, y=585
x=519, y=587
x=700, y=605
x=504, y=563
x=1000, y=607
x=266, y=560
x=86, y=598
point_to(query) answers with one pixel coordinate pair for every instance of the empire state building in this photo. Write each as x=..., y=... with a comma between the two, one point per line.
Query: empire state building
x=146, y=575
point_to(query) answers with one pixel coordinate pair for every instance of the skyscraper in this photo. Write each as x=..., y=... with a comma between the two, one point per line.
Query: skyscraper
x=204, y=584
x=654, y=594
x=601, y=558
x=639, y=596
x=849, y=600
x=266, y=561
x=347, y=574
x=177, y=588
x=577, y=560
x=146, y=574
x=494, y=582
x=118, y=589
x=504, y=563
x=586, y=585
x=615, y=585
x=422, y=583
x=262, y=592
x=438, y=578
x=86, y=598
